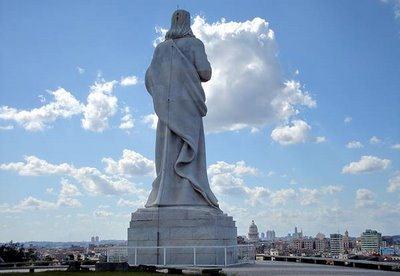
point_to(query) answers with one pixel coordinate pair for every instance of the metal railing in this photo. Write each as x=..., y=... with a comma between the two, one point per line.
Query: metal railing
x=185, y=256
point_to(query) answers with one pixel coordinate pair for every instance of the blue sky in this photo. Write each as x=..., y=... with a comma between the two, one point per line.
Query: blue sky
x=299, y=89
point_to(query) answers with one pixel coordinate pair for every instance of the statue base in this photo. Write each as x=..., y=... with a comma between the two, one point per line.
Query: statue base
x=181, y=235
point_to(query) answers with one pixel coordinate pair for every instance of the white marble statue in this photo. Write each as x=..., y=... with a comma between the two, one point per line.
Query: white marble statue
x=178, y=67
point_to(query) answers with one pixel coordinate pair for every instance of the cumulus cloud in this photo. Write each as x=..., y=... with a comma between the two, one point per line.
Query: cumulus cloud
x=29, y=203
x=364, y=198
x=65, y=198
x=320, y=139
x=127, y=121
x=151, y=120
x=102, y=213
x=307, y=196
x=128, y=81
x=226, y=178
x=295, y=133
x=9, y=127
x=348, y=120
x=239, y=168
x=374, y=140
x=92, y=180
x=101, y=106
x=354, y=145
x=127, y=203
x=80, y=70
x=332, y=189
x=68, y=189
x=396, y=146
x=396, y=7
x=131, y=164
x=394, y=182
x=248, y=88
x=64, y=105
x=282, y=196
x=367, y=163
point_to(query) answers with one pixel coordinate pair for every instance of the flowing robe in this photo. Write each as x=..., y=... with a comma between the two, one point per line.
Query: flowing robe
x=174, y=82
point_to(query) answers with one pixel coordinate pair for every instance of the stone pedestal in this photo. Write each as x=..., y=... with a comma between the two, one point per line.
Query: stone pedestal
x=181, y=227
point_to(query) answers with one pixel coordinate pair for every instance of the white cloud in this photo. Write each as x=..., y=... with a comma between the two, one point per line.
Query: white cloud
x=364, y=198
x=396, y=146
x=282, y=196
x=354, y=145
x=69, y=202
x=348, y=120
x=65, y=198
x=101, y=106
x=226, y=179
x=396, y=7
x=151, y=120
x=102, y=213
x=127, y=121
x=248, y=89
x=129, y=203
x=332, y=189
x=131, y=164
x=68, y=189
x=320, y=139
x=128, y=81
x=238, y=169
x=80, y=70
x=32, y=203
x=270, y=173
x=308, y=196
x=374, y=140
x=93, y=181
x=9, y=127
x=64, y=105
x=394, y=182
x=295, y=133
x=366, y=164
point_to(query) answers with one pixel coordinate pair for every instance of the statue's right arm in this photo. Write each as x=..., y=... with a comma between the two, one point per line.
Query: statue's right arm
x=201, y=62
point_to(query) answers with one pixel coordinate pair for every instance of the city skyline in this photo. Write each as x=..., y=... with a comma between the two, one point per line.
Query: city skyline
x=302, y=126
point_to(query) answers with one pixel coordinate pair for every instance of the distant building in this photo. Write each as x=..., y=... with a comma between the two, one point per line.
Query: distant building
x=386, y=251
x=262, y=236
x=253, y=233
x=371, y=241
x=346, y=242
x=308, y=244
x=97, y=239
x=321, y=243
x=336, y=244
x=296, y=234
x=270, y=235
x=92, y=240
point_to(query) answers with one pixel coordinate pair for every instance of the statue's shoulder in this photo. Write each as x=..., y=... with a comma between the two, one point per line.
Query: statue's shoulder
x=195, y=41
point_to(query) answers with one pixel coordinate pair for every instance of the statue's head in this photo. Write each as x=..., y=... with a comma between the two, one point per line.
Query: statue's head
x=180, y=25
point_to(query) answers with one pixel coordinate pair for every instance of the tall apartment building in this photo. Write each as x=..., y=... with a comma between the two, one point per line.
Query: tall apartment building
x=270, y=235
x=336, y=244
x=346, y=242
x=371, y=241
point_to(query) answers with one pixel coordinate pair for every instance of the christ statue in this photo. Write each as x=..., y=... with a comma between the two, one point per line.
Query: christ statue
x=173, y=79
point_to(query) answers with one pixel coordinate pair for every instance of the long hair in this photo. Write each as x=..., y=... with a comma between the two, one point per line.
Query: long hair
x=180, y=25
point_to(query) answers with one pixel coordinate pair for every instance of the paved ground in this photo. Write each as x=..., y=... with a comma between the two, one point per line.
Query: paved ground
x=288, y=268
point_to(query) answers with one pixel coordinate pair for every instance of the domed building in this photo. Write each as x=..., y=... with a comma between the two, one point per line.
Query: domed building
x=253, y=233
